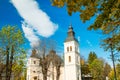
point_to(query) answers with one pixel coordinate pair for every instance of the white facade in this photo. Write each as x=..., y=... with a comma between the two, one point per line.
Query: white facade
x=72, y=61
x=34, y=71
x=71, y=57
x=70, y=70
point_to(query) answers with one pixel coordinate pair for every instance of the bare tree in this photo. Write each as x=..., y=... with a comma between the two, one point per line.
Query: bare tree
x=44, y=60
x=56, y=63
x=52, y=56
x=47, y=56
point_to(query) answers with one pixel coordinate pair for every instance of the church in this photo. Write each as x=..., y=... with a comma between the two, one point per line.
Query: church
x=70, y=70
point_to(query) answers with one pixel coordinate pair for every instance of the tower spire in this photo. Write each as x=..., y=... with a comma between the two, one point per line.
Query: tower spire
x=70, y=25
x=71, y=56
x=70, y=34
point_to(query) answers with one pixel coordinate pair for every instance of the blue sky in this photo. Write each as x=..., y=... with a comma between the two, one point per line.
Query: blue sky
x=38, y=18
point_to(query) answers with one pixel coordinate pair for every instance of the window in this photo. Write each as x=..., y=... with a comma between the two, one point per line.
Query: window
x=33, y=71
x=35, y=78
x=67, y=49
x=69, y=58
x=70, y=48
x=34, y=62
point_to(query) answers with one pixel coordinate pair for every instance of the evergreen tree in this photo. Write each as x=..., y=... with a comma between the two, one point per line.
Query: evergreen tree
x=92, y=56
x=97, y=69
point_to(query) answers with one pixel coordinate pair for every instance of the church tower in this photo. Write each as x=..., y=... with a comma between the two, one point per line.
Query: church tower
x=71, y=57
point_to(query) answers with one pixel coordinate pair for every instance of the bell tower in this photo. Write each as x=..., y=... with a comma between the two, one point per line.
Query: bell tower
x=71, y=56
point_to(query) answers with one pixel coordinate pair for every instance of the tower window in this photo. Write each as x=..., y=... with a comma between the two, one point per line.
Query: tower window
x=70, y=48
x=67, y=49
x=69, y=58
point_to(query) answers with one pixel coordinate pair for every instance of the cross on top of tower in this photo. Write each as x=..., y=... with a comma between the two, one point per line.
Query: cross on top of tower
x=70, y=28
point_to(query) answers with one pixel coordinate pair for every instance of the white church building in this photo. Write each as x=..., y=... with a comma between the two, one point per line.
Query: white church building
x=71, y=68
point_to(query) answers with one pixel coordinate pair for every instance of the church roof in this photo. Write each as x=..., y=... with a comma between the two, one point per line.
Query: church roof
x=70, y=35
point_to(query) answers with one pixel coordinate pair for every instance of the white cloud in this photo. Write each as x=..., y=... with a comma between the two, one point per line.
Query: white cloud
x=89, y=43
x=30, y=34
x=38, y=20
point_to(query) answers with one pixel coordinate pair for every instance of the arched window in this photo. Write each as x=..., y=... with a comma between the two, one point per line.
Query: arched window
x=70, y=48
x=69, y=58
x=67, y=49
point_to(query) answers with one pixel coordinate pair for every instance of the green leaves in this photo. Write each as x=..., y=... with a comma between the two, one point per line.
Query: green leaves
x=111, y=42
x=97, y=68
x=92, y=56
x=11, y=35
x=111, y=74
x=11, y=41
x=107, y=13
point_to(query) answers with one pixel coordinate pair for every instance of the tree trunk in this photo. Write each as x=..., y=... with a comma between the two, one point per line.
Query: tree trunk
x=45, y=76
x=1, y=71
x=0, y=76
x=7, y=63
x=52, y=71
x=44, y=71
x=115, y=77
x=58, y=72
x=11, y=62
